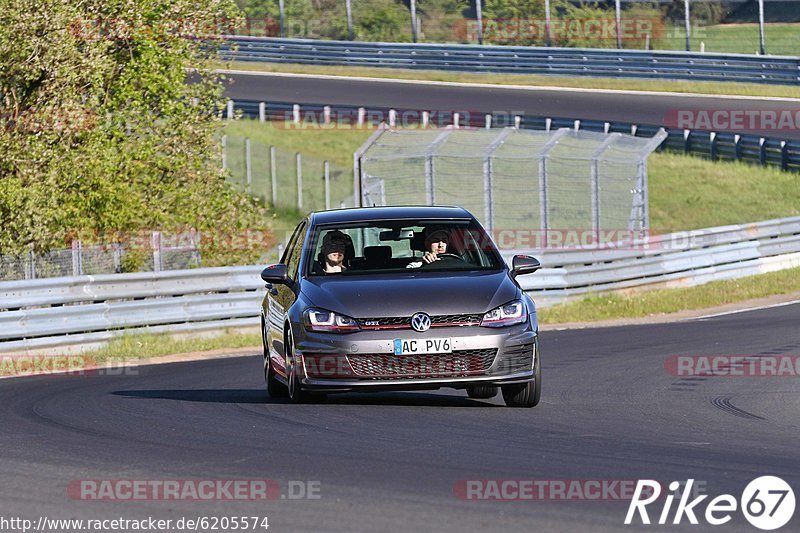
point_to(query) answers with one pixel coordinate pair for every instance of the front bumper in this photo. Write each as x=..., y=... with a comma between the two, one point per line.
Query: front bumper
x=365, y=360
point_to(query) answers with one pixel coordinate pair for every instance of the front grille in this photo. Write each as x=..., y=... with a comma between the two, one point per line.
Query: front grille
x=517, y=359
x=457, y=364
x=404, y=322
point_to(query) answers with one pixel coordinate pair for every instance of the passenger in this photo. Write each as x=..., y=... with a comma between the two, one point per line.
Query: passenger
x=334, y=247
x=436, y=241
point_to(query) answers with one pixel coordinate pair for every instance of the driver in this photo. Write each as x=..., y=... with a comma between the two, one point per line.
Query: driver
x=436, y=241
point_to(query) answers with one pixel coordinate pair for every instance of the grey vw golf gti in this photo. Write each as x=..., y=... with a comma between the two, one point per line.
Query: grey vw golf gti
x=398, y=298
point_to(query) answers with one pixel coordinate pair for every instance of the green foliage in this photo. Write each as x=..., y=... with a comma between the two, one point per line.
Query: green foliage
x=100, y=133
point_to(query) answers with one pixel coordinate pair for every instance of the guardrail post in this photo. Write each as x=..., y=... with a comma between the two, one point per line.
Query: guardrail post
x=327, y=171
x=548, y=122
x=326, y=115
x=712, y=138
x=762, y=151
x=361, y=113
x=299, y=160
x=517, y=121
x=577, y=125
x=262, y=112
x=426, y=117
x=784, y=155
x=634, y=129
x=687, y=141
x=606, y=127
x=248, y=167
x=273, y=174
x=737, y=146
x=455, y=120
x=488, y=119
x=296, y=114
x=392, y=118
x=229, y=110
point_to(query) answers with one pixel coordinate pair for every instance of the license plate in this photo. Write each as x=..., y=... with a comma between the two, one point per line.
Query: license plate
x=422, y=346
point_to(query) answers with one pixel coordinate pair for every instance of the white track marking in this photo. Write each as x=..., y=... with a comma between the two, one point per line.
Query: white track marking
x=783, y=304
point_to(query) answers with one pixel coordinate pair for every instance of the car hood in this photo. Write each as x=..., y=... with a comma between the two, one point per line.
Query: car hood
x=404, y=294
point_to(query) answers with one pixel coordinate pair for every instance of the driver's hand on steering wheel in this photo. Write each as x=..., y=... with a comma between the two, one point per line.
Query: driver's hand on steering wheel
x=430, y=257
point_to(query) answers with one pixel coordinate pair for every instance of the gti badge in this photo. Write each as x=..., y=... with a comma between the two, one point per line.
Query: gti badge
x=421, y=322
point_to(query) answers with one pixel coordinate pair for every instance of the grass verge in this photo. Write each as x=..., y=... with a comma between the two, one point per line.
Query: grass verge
x=578, y=82
x=132, y=347
x=607, y=306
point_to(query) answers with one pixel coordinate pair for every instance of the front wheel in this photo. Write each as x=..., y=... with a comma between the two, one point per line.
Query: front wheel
x=527, y=394
x=275, y=388
x=296, y=393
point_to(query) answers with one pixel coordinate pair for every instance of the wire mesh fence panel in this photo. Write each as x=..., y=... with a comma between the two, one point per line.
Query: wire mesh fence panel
x=560, y=181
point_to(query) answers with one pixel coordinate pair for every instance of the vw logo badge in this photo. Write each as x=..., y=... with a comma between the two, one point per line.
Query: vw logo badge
x=421, y=322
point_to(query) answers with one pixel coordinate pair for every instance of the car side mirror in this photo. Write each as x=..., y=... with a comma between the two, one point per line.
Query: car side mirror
x=276, y=274
x=524, y=264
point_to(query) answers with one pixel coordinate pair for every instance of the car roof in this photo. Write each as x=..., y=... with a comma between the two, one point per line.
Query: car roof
x=365, y=214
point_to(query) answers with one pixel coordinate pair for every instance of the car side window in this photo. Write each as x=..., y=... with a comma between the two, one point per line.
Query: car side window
x=295, y=250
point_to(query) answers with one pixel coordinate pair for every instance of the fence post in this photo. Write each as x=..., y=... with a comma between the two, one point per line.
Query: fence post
x=262, y=112
x=77, y=260
x=687, y=22
x=413, y=21
x=30, y=272
x=349, y=11
x=282, y=11
x=117, y=257
x=479, y=16
x=248, y=167
x=273, y=174
x=156, y=243
x=299, y=159
x=327, y=169
x=224, y=152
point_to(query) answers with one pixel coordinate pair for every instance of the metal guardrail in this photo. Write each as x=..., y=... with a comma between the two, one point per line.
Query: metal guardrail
x=518, y=59
x=50, y=313
x=765, y=151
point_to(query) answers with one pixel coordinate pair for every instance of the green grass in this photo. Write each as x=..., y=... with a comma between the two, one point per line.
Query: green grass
x=688, y=192
x=131, y=347
x=780, y=39
x=700, y=87
x=662, y=301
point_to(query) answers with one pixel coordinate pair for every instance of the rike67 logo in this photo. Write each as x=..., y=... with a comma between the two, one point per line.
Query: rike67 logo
x=767, y=503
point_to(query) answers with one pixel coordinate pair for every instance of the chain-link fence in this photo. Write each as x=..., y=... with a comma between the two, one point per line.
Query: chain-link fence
x=286, y=179
x=515, y=179
x=150, y=253
x=729, y=26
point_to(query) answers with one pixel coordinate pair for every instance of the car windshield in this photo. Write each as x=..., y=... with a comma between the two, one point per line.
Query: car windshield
x=401, y=245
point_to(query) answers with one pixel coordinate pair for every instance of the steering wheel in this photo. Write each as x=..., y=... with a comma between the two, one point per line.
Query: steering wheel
x=451, y=256
x=445, y=256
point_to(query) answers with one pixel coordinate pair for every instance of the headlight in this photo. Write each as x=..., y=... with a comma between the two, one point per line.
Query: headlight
x=323, y=320
x=506, y=315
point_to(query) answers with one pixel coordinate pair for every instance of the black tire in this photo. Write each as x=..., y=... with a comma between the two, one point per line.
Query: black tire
x=527, y=394
x=296, y=393
x=275, y=388
x=482, y=392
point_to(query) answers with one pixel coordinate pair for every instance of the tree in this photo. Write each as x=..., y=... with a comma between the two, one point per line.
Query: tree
x=101, y=132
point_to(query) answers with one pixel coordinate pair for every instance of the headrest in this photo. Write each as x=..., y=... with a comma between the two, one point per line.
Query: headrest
x=377, y=254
